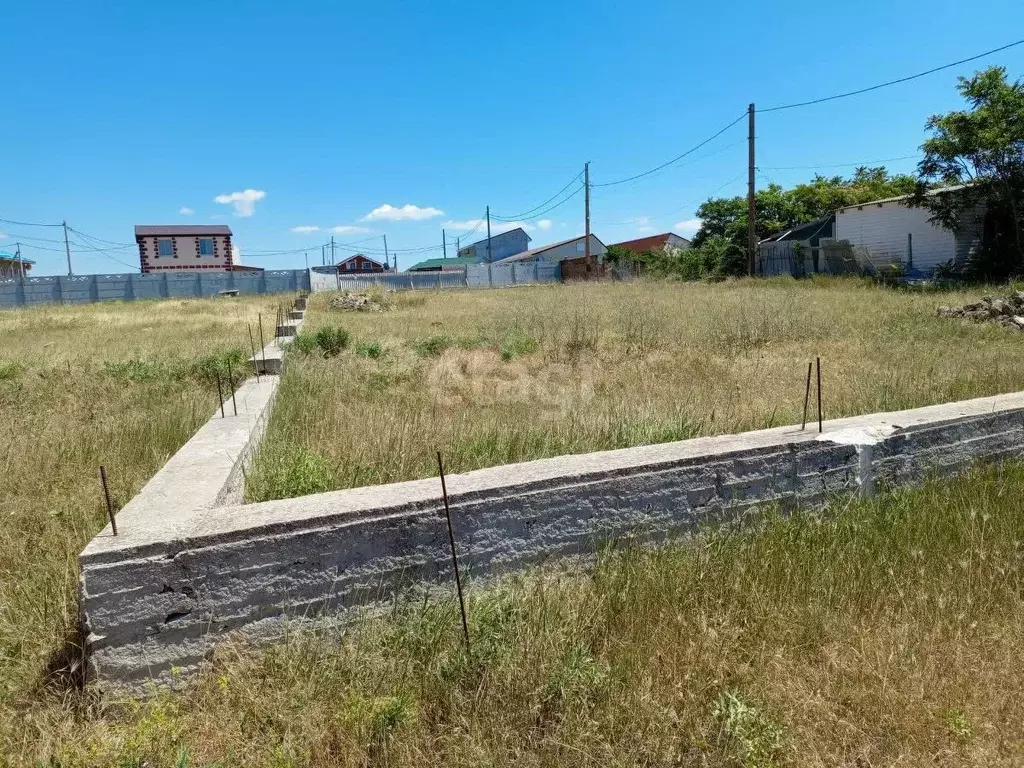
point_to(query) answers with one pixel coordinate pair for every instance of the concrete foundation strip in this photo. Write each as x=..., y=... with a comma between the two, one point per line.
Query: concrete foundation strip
x=193, y=563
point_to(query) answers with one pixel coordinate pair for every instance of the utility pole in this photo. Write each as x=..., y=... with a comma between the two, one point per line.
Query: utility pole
x=586, y=208
x=17, y=251
x=488, y=233
x=458, y=244
x=386, y=259
x=67, y=248
x=323, y=256
x=333, y=262
x=444, y=243
x=306, y=256
x=751, y=207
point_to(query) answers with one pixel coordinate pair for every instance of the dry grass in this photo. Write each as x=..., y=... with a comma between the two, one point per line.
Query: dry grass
x=493, y=377
x=884, y=633
x=117, y=384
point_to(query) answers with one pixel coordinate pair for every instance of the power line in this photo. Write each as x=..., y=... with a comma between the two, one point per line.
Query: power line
x=891, y=82
x=675, y=159
x=861, y=163
x=28, y=223
x=533, y=210
x=678, y=209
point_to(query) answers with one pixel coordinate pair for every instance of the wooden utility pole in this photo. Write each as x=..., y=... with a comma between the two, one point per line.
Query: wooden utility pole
x=586, y=209
x=751, y=207
x=333, y=261
x=444, y=244
x=488, y=233
x=386, y=259
x=323, y=256
x=17, y=251
x=67, y=248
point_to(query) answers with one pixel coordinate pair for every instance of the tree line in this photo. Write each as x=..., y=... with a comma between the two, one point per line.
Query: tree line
x=978, y=150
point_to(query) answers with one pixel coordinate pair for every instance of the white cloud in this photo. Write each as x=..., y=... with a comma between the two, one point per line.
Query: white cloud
x=405, y=213
x=347, y=229
x=688, y=227
x=544, y=225
x=185, y=211
x=244, y=202
x=306, y=229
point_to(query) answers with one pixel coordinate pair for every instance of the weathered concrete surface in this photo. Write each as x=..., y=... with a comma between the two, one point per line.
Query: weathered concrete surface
x=269, y=361
x=288, y=327
x=296, y=314
x=155, y=597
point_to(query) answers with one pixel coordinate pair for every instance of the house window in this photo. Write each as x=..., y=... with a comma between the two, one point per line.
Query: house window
x=164, y=246
x=367, y=266
x=206, y=246
x=350, y=266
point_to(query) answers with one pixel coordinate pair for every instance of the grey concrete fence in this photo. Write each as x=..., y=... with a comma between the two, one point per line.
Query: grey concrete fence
x=79, y=289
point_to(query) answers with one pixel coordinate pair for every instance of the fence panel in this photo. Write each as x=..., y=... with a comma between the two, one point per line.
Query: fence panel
x=77, y=289
x=472, y=276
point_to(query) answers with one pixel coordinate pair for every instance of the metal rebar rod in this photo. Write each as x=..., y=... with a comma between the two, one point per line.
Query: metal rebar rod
x=220, y=393
x=819, y=395
x=807, y=396
x=455, y=558
x=106, y=495
x=231, y=386
x=252, y=346
x=263, y=344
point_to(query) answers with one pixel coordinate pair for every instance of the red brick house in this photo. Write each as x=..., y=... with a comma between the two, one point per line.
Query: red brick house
x=185, y=247
x=360, y=263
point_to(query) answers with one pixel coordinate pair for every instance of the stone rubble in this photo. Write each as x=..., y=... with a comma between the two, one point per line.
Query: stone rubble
x=357, y=302
x=1008, y=311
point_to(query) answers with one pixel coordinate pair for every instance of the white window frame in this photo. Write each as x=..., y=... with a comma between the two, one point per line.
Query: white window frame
x=367, y=266
x=170, y=247
x=350, y=266
x=213, y=247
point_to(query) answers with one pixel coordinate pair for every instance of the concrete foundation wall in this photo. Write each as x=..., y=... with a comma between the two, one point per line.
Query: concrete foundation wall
x=174, y=581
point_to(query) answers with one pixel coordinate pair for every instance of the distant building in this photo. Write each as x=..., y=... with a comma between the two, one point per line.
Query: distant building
x=666, y=240
x=360, y=264
x=14, y=265
x=502, y=246
x=891, y=231
x=443, y=265
x=573, y=248
x=186, y=247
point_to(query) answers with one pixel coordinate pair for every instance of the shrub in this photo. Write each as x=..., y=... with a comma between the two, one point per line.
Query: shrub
x=432, y=346
x=371, y=349
x=305, y=342
x=332, y=340
x=517, y=345
x=210, y=366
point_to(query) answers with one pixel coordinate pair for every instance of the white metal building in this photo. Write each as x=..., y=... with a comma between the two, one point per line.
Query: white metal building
x=893, y=232
x=572, y=248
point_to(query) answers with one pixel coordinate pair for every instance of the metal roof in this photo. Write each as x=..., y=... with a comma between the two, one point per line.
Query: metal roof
x=526, y=255
x=938, y=191
x=454, y=261
x=496, y=236
x=4, y=256
x=641, y=244
x=143, y=230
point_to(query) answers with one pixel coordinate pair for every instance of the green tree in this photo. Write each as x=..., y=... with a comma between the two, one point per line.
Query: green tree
x=982, y=149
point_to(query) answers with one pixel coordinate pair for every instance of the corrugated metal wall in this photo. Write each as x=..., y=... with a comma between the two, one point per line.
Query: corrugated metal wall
x=77, y=289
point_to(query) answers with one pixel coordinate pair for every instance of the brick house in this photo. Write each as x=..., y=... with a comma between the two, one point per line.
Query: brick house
x=185, y=247
x=360, y=263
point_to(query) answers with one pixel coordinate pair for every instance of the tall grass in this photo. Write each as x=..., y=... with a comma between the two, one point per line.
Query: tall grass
x=492, y=377
x=124, y=385
x=879, y=633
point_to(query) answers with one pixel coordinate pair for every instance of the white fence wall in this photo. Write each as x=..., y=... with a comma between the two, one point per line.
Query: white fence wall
x=473, y=276
x=78, y=289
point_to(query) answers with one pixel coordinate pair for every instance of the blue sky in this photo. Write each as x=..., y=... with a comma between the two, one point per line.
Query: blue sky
x=319, y=114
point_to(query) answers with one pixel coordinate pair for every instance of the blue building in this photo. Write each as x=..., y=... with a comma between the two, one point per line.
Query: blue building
x=506, y=244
